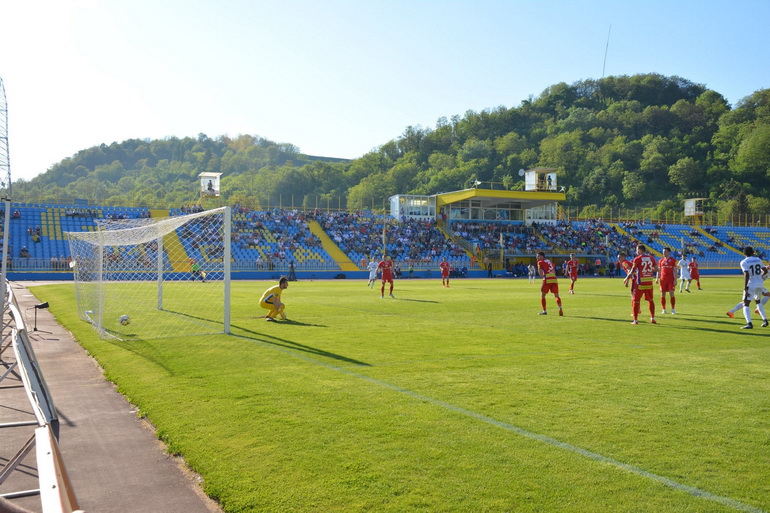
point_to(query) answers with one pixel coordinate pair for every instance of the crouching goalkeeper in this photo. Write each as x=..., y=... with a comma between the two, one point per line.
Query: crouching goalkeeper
x=271, y=300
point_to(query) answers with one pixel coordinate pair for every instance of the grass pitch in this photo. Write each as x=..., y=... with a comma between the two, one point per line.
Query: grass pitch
x=460, y=399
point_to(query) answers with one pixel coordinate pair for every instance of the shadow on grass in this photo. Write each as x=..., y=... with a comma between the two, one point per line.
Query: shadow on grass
x=182, y=314
x=609, y=319
x=415, y=300
x=733, y=330
x=142, y=349
x=296, y=346
x=734, y=327
x=298, y=323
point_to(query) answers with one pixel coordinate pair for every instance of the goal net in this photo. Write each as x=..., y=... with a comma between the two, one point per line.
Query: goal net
x=155, y=277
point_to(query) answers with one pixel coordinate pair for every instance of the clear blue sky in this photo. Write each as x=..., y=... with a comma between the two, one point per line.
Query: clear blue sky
x=336, y=78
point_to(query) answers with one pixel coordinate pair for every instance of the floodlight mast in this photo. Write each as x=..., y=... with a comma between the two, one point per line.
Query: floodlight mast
x=5, y=194
x=5, y=161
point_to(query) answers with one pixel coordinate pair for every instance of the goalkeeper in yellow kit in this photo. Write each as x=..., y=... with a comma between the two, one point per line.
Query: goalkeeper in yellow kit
x=271, y=300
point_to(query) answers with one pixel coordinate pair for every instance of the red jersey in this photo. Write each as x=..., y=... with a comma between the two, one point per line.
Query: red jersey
x=626, y=266
x=445, y=268
x=547, y=271
x=386, y=266
x=571, y=267
x=667, y=267
x=644, y=265
x=693, y=267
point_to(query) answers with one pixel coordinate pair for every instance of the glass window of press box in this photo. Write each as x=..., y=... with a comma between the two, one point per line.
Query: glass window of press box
x=414, y=206
x=474, y=210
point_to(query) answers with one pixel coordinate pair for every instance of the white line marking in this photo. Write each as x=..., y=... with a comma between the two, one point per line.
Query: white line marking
x=697, y=492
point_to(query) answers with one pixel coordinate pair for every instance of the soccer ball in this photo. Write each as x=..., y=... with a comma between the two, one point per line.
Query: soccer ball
x=124, y=320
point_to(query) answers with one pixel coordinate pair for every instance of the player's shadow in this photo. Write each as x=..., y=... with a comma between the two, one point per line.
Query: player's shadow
x=296, y=346
x=609, y=319
x=664, y=324
x=415, y=300
x=734, y=328
x=298, y=323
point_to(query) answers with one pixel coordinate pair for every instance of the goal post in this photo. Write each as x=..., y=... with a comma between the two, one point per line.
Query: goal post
x=155, y=277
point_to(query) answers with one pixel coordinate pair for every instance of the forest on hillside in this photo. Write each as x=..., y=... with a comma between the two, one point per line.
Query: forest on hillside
x=619, y=142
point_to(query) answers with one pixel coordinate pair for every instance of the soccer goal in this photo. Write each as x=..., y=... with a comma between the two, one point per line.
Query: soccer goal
x=155, y=277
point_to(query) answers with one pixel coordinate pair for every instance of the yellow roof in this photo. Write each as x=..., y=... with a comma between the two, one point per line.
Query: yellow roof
x=490, y=198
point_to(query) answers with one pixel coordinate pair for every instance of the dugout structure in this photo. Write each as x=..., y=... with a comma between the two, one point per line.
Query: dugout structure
x=155, y=277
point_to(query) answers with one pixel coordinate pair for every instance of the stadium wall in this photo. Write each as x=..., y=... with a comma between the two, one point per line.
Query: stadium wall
x=312, y=275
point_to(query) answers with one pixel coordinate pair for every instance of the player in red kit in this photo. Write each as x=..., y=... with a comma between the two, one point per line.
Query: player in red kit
x=570, y=271
x=386, y=268
x=643, y=272
x=445, y=269
x=550, y=283
x=625, y=264
x=694, y=272
x=667, y=279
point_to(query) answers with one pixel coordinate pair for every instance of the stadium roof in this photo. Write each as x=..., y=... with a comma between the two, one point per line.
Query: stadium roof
x=490, y=198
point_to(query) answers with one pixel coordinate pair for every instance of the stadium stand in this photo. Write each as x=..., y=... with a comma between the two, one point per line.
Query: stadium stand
x=413, y=241
x=516, y=237
x=594, y=237
x=270, y=240
x=37, y=240
x=713, y=246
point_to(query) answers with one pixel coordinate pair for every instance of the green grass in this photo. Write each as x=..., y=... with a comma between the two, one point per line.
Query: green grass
x=460, y=399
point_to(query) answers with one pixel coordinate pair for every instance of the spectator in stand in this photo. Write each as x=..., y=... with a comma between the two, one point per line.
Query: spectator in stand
x=410, y=239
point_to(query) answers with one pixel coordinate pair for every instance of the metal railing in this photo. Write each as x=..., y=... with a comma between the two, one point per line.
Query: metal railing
x=55, y=489
x=650, y=216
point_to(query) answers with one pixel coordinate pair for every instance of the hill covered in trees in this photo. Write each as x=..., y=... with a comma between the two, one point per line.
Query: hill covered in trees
x=644, y=140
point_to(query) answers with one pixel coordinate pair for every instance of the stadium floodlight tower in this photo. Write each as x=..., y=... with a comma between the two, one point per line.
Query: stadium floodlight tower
x=5, y=192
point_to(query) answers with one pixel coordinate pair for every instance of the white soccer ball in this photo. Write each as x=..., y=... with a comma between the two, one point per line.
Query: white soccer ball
x=124, y=320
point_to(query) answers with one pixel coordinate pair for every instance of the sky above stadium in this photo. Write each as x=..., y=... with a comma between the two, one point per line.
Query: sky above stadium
x=337, y=78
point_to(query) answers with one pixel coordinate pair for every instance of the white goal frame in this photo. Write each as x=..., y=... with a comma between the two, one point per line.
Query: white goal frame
x=136, y=268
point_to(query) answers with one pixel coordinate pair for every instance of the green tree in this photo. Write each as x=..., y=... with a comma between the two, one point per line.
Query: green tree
x=633, y=186
x=686, y=173
x=564, y=151
x=404, y=172
x=510, y=143
x=758, y=205
x=753, y=157
x=370, y=192
x=741, y=206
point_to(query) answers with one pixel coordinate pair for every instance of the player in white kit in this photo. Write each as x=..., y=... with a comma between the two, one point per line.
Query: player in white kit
x=684, y=273
x=372, y=267
x=754, y=271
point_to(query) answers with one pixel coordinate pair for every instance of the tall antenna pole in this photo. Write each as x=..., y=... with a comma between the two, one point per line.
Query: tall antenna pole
x=606, y=48
x=5, y=160
x=5, y=194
